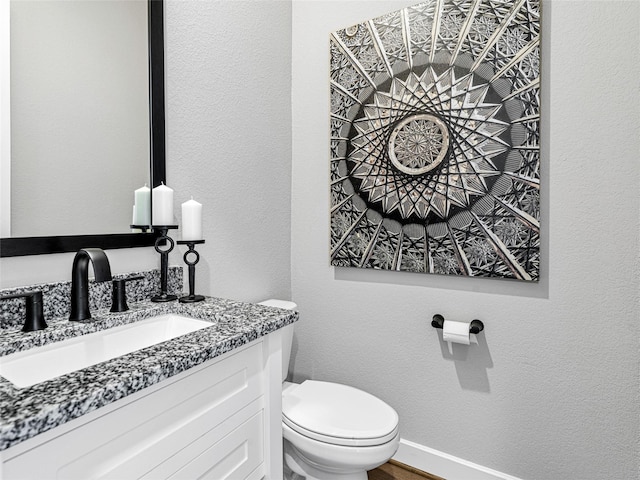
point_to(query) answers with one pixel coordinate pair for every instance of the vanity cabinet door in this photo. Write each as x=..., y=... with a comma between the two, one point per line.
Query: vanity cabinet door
x=207, y=422
x=224, y=453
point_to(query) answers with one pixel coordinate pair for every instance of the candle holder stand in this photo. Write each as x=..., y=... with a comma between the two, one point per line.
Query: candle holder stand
x=164, y=261
x=191, y=298
x=144, y=228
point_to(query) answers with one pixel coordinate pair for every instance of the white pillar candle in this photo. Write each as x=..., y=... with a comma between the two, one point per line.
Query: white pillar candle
x=162, y=198
x=142, y=206
x=191, y=220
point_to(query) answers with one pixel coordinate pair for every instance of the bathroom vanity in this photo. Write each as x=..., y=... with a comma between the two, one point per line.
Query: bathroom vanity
x=206, y=404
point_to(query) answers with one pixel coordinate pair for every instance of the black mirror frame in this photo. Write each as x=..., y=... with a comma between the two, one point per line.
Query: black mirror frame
x=21, y=246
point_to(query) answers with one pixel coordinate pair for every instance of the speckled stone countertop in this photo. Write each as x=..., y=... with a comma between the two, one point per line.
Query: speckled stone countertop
x=29, y=411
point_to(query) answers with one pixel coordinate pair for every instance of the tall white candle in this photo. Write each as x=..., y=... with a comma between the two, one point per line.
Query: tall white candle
x=191, y=220
x=142, y=206
x=162, y=197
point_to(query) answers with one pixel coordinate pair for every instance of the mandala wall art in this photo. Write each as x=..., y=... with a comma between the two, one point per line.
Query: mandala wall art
x=435, y=140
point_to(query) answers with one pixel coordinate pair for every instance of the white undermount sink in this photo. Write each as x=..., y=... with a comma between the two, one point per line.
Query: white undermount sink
x=36, y=365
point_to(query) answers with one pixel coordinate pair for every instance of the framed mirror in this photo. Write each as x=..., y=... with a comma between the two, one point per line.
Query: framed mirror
x=98, y=90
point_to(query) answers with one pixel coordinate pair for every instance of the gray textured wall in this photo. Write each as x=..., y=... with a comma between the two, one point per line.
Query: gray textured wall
x=229, y=139
x=551, y=392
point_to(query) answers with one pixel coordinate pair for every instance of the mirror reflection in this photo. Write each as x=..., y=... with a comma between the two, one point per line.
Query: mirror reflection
x=79, y=115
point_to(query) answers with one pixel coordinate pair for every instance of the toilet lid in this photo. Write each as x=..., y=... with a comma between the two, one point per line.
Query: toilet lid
x=338, y=414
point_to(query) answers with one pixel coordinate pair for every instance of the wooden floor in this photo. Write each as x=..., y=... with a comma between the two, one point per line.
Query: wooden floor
x=393, y=470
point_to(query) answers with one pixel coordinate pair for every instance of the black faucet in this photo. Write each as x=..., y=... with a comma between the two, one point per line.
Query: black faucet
x=80, y=280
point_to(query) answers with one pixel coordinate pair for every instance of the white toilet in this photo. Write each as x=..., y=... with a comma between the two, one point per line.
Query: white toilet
x=332, y=431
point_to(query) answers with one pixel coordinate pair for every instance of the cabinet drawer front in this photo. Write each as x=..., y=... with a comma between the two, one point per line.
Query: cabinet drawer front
x=233, y=450
x=142, y=434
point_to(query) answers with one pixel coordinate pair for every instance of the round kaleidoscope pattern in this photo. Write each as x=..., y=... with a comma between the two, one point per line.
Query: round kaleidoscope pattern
x=435, y=140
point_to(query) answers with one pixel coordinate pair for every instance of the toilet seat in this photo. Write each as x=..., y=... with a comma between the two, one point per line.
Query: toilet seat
x=338, y=414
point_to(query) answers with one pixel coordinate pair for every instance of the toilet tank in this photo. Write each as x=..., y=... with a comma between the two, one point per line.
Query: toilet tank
x=287, y=333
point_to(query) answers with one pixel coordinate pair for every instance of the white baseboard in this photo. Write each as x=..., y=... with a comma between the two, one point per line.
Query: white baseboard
x=444, y=465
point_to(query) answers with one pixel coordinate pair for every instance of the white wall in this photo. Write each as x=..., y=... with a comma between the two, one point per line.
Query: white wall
x=229, y=139
x=551, y=391
x=33, y=269
x=5, y=120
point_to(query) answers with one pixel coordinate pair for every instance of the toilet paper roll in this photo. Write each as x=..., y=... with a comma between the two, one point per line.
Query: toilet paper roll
x=456, y=332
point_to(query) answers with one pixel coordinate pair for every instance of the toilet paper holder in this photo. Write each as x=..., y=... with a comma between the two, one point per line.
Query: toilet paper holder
x=476, y=326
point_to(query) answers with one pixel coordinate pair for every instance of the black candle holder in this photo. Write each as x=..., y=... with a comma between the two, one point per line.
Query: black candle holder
x=191, y=298
x=164, y=261
x=144, y=228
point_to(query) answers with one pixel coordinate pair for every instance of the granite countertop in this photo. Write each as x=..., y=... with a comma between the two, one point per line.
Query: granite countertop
x=28, y=411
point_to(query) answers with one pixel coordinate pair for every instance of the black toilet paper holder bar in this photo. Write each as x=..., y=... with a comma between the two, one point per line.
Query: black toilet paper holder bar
x=476, y=326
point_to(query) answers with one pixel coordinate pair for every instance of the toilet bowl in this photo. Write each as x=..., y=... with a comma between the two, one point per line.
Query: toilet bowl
x=333, y=431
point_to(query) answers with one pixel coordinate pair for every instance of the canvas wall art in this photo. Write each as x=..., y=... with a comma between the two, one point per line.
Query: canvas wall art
x=435, y=158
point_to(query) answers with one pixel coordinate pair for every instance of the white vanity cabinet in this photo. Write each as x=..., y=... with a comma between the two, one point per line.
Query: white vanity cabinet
x=220, y=419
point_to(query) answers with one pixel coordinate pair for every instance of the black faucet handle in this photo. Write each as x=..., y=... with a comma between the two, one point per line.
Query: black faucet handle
x=119, y=294
x=34, y=312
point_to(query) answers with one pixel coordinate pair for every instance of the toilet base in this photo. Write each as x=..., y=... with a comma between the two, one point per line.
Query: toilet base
x=302, y=466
